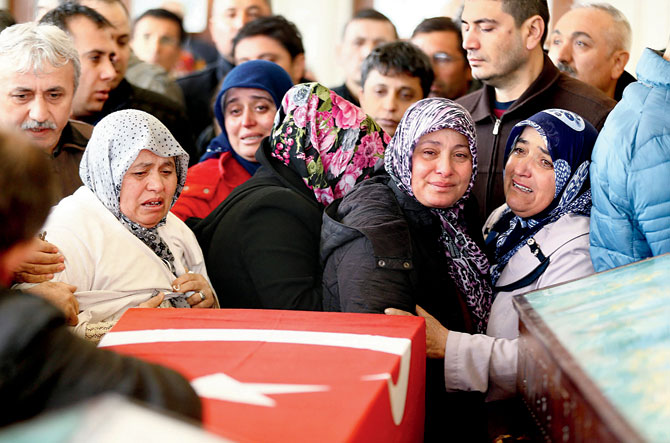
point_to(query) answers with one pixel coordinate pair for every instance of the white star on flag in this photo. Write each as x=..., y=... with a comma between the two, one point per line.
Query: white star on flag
x=223, y=387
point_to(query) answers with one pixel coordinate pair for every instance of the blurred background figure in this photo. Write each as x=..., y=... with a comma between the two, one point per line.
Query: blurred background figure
x=591, y=42
x=440, y=38
x=364, y=32
x=274, y=39
x=157, y=38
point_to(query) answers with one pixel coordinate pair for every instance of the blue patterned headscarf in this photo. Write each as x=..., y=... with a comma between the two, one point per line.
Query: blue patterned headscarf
x=569, y=139
x=468, y=266
x=256, y=74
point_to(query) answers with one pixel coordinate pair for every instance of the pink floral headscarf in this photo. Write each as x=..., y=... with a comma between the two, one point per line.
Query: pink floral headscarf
x=328, y=141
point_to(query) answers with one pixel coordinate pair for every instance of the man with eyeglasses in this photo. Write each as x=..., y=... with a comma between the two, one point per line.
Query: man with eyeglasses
x=441, y=40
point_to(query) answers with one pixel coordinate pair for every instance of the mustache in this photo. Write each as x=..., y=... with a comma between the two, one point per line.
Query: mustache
x=563, y=67
x=34, y=124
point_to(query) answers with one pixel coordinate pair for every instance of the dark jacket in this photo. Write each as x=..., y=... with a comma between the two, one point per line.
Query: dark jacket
x=199, y=89
x=551, y=89
x=623, y=81
x=43, y=366
x=170, y=113
x=380, y=249
x=261, y=244
x=67, y=154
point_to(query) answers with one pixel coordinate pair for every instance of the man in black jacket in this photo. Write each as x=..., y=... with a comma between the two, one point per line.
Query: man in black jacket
x=43, y=366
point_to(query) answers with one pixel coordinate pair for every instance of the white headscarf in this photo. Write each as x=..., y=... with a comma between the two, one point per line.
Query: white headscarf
x=115, y=144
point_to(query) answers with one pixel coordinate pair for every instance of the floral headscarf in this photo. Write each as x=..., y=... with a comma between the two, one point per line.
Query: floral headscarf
x=468, y=266
x=328, y=141
x=569, y=139
x=256, y=74
x=114, y=145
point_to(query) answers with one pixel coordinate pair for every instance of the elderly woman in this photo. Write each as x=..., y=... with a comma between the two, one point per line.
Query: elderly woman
x=122, y=247
x=262, y=243
x=540, y=238
x=245, y=108
x=403, y=239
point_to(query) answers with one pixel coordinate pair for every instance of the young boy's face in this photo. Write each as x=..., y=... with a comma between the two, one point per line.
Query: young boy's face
x=386, y=97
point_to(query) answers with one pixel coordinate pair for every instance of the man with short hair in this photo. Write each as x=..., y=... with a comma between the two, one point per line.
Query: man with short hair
x=504, y=41
x=39, y=74
x=227, y=18
x=393, y=77
x=591, y=43
x=440, y=38
x=157, y=37
x=80, y=22
x=364, y=32
x=274, y=39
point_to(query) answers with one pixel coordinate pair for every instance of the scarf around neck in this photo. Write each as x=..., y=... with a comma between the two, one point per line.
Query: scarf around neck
x=468, y=266
x=569, y=139
x=114, y=145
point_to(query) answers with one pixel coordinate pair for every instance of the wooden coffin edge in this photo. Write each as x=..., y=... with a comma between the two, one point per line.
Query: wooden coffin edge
x=616, y=423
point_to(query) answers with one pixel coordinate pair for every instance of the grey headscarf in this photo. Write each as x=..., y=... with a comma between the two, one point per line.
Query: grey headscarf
x=115, y=144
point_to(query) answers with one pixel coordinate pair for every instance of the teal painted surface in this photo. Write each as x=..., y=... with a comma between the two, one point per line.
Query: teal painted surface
x=617, y=326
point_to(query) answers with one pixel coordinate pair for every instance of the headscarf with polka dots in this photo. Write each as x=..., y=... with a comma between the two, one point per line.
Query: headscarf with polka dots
x=115, y=144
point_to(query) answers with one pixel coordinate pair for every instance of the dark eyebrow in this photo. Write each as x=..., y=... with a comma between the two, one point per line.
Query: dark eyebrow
x=556, y=31
x=95, y=52
x=486, y=20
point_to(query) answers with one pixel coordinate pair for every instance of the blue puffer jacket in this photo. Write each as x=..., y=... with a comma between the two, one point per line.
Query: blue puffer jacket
x=630, y=173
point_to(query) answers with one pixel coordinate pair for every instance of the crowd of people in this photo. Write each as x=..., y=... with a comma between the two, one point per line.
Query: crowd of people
x=448, y=173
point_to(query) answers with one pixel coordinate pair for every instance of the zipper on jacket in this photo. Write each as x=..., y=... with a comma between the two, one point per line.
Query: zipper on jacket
x=496, y=126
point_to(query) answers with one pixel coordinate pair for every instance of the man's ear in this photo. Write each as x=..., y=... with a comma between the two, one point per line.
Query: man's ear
x=532, y=31
x=620, y=58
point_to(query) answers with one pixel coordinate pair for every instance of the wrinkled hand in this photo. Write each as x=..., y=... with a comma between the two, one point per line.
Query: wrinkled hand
x=198, y=283
x=436, y=334
x=40, y=264
x=60, y=295
x=153, y=302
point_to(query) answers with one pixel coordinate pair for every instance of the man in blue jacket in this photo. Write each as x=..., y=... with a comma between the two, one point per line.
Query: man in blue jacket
x=630, y=219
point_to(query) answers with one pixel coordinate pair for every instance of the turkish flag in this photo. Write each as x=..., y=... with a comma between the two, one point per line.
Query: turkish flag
x=290, y=375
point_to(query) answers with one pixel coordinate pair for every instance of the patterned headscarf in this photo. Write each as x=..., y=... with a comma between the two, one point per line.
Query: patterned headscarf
x=255, y=74
x=114, y=145
x=328, y=141
x=569, y=139
x=468, y=266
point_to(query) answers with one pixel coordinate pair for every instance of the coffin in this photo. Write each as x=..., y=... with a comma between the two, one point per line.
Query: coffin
x=594, y=355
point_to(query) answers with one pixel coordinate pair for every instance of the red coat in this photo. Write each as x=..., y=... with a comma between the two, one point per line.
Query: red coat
x=207, y=184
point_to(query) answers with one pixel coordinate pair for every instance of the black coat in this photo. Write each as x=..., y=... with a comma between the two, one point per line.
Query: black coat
x=199, y=89
x=261, y=244
x=380, y=249
x=44, y=366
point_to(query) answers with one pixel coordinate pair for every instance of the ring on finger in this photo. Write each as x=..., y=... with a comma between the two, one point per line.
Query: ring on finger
x=202, y=296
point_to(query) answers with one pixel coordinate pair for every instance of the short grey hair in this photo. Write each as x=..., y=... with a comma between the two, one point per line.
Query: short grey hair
x=622, y=34
x=28, y=46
